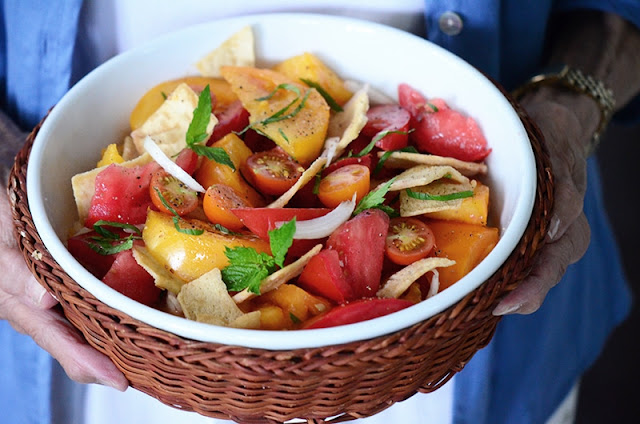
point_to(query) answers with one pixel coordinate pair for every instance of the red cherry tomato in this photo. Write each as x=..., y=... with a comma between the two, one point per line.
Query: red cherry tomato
x=390, y=118
x=272, y=172
x=175, y=193
x=233, y=118
x=408, y=240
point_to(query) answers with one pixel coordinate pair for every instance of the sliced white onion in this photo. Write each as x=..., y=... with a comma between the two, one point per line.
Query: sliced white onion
x=170, y=166
x=330, y=148
x=435, y=284
x=317, y=228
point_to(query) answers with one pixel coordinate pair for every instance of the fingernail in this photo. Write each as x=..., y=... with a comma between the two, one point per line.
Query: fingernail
x=554, y=225
x=507, y=309
x=113, y=384
x=37, y=293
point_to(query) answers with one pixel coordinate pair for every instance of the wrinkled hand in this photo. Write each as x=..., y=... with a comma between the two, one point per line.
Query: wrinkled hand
x=28, y=308
x=568, y=235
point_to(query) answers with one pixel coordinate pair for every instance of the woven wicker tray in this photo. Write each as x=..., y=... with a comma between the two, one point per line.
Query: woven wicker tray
x=250, y=385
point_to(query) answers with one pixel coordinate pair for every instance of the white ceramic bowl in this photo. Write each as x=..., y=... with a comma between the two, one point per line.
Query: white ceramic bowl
x=95, y=113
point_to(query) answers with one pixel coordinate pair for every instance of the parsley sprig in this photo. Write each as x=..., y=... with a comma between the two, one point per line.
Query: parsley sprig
x=439, y=197
x=247, y=268
x=375, y=200
x=176, y=217
x=197, y=132
x=109, y=243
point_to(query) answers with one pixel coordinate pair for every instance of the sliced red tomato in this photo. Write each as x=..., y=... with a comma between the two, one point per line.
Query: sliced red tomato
x=390, y=118
x=187, y=160
x=257, y=142
x=365, y=160
x=440, y=130
x=219, y=202
x=272, y=172
x=262, y=220
x=323, y=276
x=121, y=194
x=408, y=240
x=343, y=183
x=233, y=118
x=175, y=194
x=95, y=263
x=360, y=243
x=358, y=311
x=130, y=279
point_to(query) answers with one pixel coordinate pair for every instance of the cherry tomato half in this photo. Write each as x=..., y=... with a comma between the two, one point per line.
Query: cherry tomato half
x=408, y=240
x=343, y=183
x=218, y=202
x=175, y=193
x=272, y=172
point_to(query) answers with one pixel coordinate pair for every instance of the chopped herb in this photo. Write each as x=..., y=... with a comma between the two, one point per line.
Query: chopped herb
x=385, y=156
x=327, y=97
x=164, y=95
x=224, y=230
x=440, y=198
x=294, y=318
x=176, y=217
x=108, y=242
x=376, y=138
x=247, y=268
x=432, y=106
x=316, y=183
x=283, y=135
x=197, y=132
x=375, y=199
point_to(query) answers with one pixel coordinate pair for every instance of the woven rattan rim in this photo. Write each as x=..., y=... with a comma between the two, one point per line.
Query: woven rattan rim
x=250, y=385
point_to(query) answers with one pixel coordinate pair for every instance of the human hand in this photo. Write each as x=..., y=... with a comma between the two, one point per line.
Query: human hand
x=29, y=308
x=569, y=233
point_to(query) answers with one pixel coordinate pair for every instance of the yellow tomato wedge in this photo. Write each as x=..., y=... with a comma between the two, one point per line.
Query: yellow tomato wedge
x=299, y=132
x=190, y=256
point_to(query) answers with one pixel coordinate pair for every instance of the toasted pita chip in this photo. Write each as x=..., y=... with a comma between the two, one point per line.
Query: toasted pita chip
x=309, y=174
x=423, y=174
x=249, y=320
x=84, y=185
x=168, y=125
x=237, y=50
x=281, y=276
x=162, y=277
x=347, y=124
x=407, y=160
x=412, y=207
x=129, y=150
x=399, y=282
x=206, y=299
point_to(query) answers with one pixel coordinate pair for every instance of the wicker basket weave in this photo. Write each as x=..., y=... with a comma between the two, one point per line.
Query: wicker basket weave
x=248, y=385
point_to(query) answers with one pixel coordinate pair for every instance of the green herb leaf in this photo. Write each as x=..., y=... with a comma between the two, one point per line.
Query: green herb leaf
x=327, y=97
x=294, y=318
x=217, y=154
x=107, y=247
x=441, y=198
x=289, y=87
x=281, y=239
x=385, y=156
x=375, y=198
x=379, y=136
x=224, y=230
x=432, y=106
x=197, y=130
x=247, y=268
x=98, y=226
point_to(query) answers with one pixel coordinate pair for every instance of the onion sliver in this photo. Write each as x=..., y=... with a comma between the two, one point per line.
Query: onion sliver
x=170, y=166
x=317, y=228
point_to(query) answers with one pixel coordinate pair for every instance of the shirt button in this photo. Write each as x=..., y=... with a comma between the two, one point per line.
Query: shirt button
x=450, y=23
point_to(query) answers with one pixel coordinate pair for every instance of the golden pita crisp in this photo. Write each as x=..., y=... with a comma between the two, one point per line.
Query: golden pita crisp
x=405, y=160
x=162, y=277
x=412, y=207
x=309, y=174
x=237, y=50
x=347, y=124
x=399, y=282
x=168, y=125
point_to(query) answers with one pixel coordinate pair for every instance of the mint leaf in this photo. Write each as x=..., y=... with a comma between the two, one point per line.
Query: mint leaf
x=439, y=197
x=281, y=239
x=244, y=276
x=197, y=130
x=217, y=154
x=374, y=198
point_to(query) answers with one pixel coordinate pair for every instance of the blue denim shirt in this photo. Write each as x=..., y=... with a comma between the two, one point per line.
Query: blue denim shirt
x=532, y=360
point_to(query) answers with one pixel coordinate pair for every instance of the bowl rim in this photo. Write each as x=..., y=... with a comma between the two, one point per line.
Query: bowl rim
x=265, y=339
